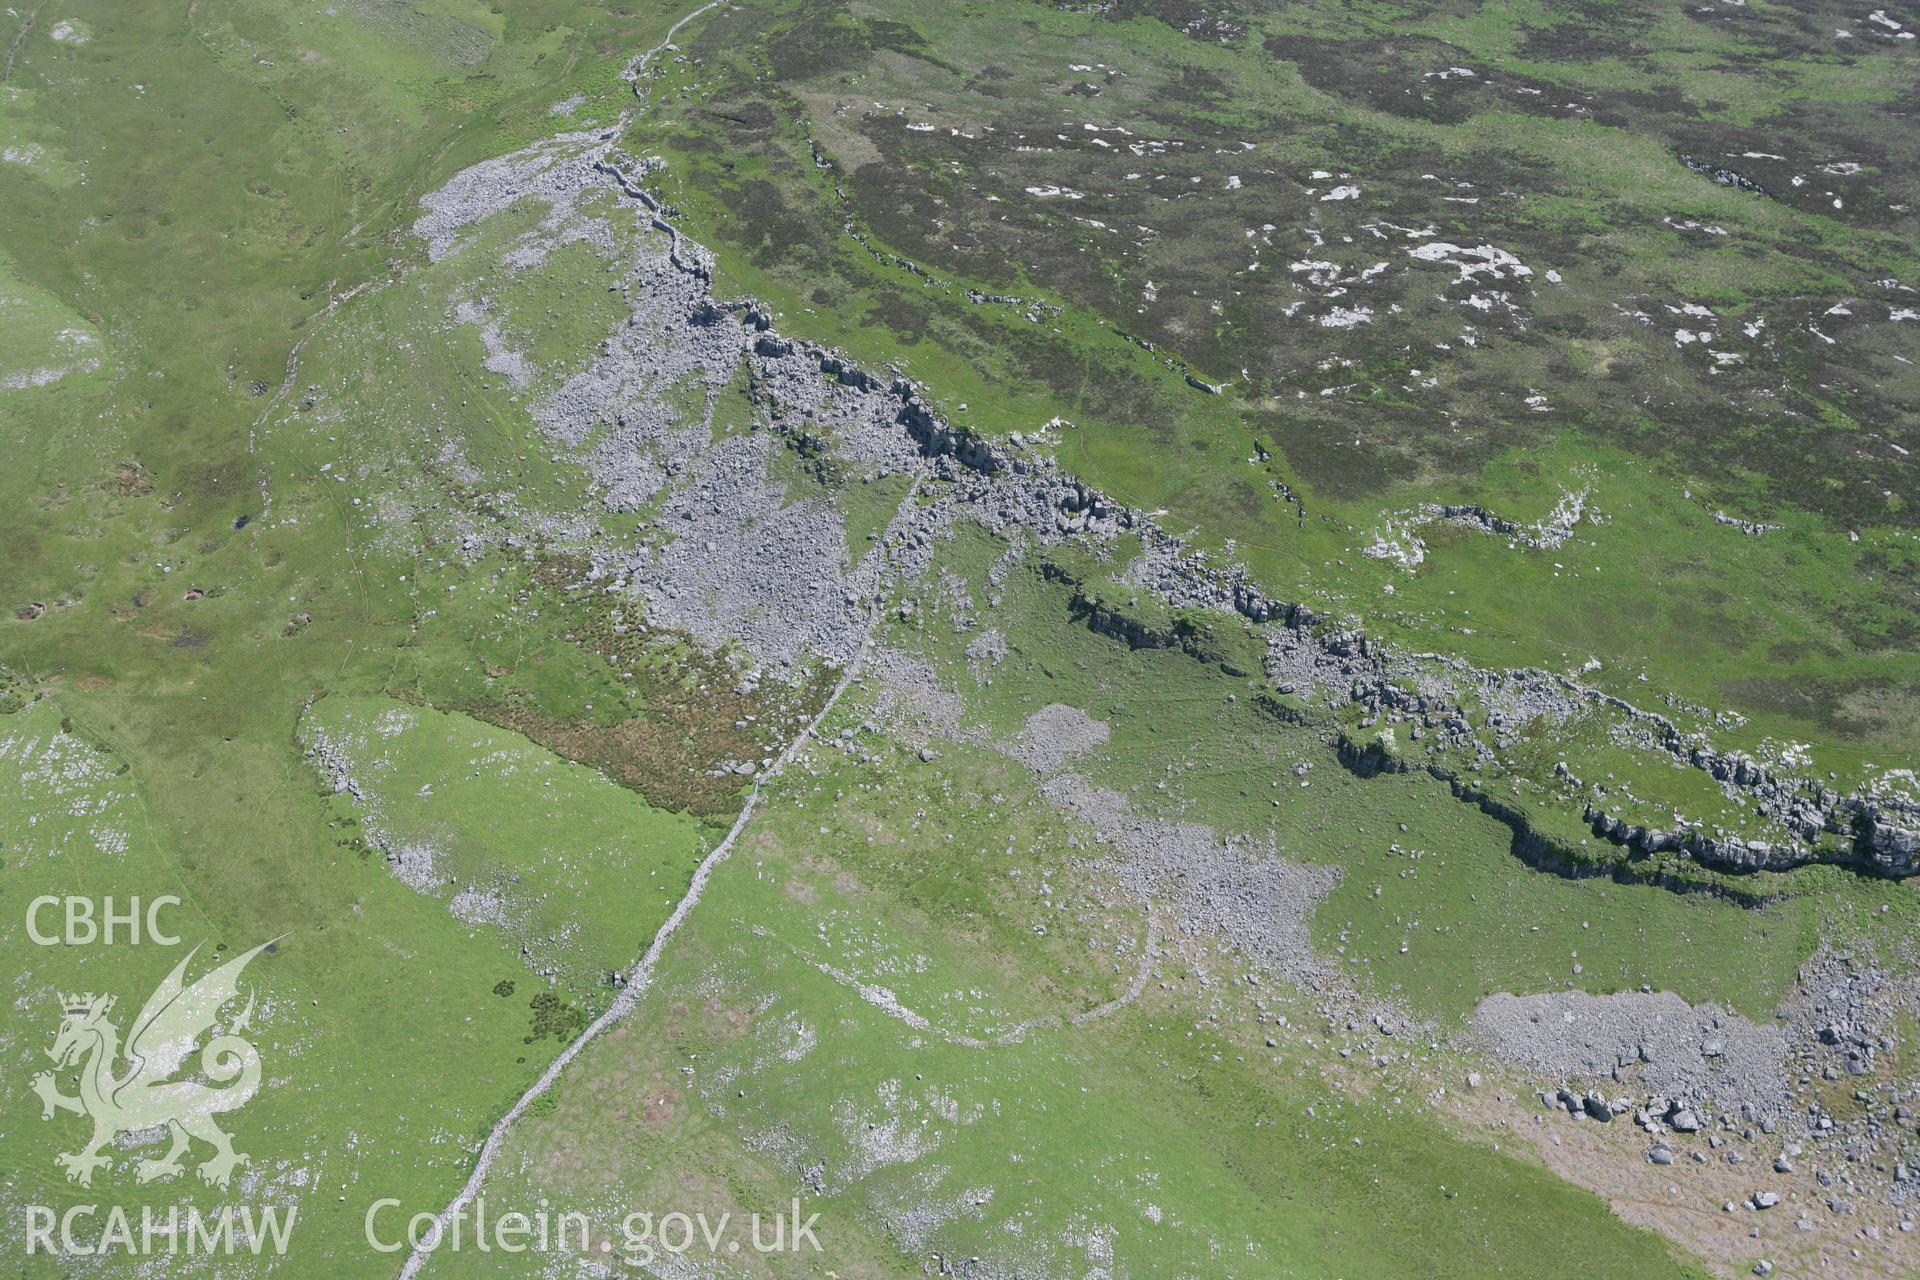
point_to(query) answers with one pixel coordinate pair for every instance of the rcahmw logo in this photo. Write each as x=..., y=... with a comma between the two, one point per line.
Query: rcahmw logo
x=143, y=1097
x=130, y=1089
x=176, y=1231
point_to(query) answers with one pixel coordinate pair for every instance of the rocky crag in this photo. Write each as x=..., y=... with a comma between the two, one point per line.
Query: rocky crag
x=727, y=558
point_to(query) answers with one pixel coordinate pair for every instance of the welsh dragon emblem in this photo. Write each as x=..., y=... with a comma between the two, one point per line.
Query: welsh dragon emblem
x=142, y=1096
